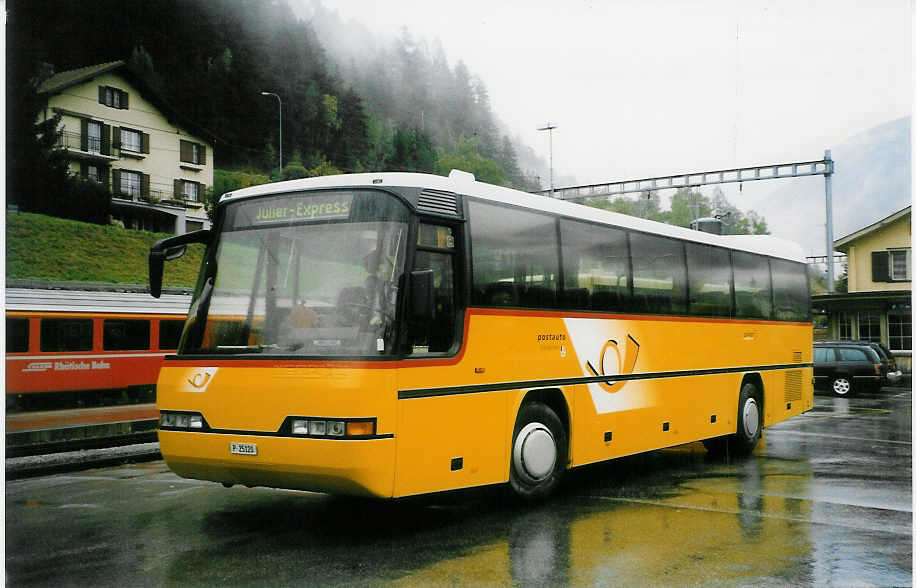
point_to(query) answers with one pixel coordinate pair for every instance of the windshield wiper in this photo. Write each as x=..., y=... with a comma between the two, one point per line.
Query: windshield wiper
x=244, y=348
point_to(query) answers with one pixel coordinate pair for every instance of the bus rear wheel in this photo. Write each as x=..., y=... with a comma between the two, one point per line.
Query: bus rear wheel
x=539, y=452
x=750, y=426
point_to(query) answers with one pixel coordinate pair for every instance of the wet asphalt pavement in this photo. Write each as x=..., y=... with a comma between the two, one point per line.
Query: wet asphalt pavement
x=826, y=500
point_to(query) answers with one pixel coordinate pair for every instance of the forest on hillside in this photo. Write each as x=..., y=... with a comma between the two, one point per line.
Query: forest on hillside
x=351, y=102
x=211, y=61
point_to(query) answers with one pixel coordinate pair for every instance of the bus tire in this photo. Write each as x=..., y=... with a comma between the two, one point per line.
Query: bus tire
x=750, y=420
x=539, y=452
x=750, y=426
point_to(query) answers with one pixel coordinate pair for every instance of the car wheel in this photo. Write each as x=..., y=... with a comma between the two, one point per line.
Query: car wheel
x=841, y=386
x=539, y=452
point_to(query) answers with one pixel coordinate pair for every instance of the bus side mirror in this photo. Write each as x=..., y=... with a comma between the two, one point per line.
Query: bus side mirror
x=421, y=295
x=167, y=250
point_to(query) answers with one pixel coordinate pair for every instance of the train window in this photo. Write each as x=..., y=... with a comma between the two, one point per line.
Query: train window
x=66, y=334
x=17, y=335
x=170, y=334
x=121, y=335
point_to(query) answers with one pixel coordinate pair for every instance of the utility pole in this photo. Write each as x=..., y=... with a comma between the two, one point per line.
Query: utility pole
x=828, y=181
x=280, y=104
x=549, y=127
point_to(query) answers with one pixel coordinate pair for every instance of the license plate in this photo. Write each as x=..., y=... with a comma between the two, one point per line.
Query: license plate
x=243, y=448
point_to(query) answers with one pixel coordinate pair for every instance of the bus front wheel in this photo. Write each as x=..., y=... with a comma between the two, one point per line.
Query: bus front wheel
x=750, y=426
x=539, y=452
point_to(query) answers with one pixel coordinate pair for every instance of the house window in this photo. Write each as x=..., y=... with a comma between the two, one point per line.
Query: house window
x=900, y=264
x=844, y=322
x=900, y=331
x=92, y=173
x=191, y=191
x=870, y=326
x=130, y=140
x=112, y=97
x=94, y=136
x=130, y=183
x=192, y=153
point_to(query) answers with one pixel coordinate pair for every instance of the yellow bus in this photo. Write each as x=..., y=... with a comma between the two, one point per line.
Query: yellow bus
x=395, y=334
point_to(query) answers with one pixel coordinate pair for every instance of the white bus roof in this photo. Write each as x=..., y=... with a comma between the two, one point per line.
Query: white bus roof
x=464, y=183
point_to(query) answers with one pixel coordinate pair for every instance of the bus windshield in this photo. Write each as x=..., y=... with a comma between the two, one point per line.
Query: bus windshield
x=304, y=274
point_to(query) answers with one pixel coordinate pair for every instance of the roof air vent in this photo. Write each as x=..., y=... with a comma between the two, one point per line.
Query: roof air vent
x=438, y=202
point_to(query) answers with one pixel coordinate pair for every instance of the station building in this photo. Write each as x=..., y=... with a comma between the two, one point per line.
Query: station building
x=877, y=305
x=118, y=132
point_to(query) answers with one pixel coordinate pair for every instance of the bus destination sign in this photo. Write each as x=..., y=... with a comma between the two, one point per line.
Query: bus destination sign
x=293, y=209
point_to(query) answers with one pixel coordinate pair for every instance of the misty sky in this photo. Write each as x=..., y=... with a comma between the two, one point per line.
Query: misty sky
x=654, y=87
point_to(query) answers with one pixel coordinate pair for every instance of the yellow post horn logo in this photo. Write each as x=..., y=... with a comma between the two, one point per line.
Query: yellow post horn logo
x=627, y=365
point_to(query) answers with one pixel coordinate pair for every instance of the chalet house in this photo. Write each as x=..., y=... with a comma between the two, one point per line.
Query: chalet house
x=118, y=132
x=877, y=306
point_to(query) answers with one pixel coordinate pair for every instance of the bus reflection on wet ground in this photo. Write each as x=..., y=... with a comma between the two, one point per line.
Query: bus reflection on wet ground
x=826, y=500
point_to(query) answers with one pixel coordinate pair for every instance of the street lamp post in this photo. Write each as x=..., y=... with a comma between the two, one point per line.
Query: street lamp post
x=280, y=103
x=549, y=127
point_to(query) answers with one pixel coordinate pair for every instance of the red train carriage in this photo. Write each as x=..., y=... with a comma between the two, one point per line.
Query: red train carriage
x=67, y=340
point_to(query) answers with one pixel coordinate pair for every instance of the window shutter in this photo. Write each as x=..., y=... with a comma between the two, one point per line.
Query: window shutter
x=103, y=176
x=116, y=182
x=84, y=134
x=144, y=142
x=144, y=185
x=106, y=139
x=123, y=99
x=116, y=137
x=84, y=171
x=879, y=266
x=101, y=94
x=185, y=150
x=177, y=195
x=203, y=154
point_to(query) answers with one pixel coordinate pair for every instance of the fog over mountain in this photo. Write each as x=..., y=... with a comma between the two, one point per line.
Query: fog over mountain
x=871, y=180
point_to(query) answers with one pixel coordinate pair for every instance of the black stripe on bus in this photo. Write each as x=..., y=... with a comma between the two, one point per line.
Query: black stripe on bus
x=276, y=434
x=500, y=386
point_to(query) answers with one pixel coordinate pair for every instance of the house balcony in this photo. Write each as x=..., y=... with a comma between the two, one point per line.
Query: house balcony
x=157, y=198
x=88, y=148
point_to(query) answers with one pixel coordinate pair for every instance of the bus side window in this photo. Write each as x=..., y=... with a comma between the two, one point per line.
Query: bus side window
x=438, y=334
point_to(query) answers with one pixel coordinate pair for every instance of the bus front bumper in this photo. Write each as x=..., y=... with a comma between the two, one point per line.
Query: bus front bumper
x=356, y=467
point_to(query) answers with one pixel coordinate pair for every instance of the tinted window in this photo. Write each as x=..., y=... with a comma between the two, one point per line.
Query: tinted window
x=438, y=333
x=66, y=334
x=710, y=276
x=596, y=266
x=515, y=257
x=849, y=354
x=169, y=334
x=17, y=335
x=790, y=290
x=823, y=354
x=120, y=335
x=659, y=273
x=753, y=297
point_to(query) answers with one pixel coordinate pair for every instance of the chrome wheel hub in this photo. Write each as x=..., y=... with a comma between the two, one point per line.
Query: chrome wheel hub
x=751, y=418
x=534, y=453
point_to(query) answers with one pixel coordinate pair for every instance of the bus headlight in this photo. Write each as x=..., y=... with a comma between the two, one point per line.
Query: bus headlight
x=182, y=421
x=339, y=428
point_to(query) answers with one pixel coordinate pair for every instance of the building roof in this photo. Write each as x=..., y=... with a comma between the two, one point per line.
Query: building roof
x=843, y=243
x=65, y=79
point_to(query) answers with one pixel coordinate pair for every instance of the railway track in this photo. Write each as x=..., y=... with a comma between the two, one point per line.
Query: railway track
x=61, y=431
